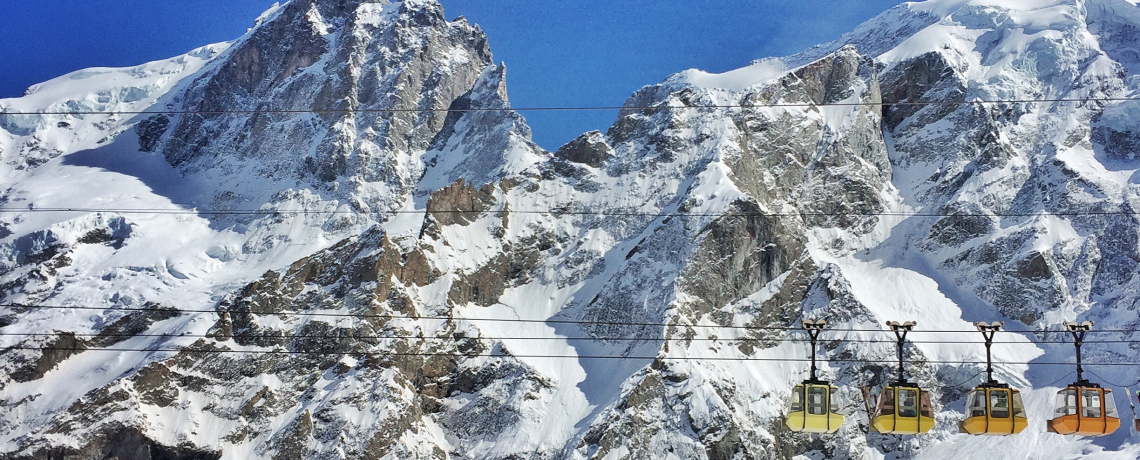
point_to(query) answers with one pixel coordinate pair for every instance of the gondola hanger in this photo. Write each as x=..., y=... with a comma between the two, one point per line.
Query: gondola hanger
x=813, y=328
x=900, y=330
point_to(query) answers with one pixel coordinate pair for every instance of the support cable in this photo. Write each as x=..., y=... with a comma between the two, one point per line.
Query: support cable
x=564, y=108
x=555, y=212
x=494, y=355
x=523, y=320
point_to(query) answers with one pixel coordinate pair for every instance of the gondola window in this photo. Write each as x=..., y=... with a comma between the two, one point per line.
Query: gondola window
x=908, y=403
x=1091, y=403
x=999, y=404
x=1067, y=403
x=798, y=399
x=817, y=400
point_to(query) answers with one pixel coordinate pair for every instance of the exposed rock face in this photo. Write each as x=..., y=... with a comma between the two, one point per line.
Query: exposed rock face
x=123, y=443
x=998, y=162
x=133, y=324
x=460, y=203
x=590, y=149
x=632, y=295
x=1115, y=131
x=36, y=357
x=740, y=253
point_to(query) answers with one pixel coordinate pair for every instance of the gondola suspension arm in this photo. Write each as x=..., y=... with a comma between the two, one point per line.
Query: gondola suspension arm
x=813, y=328
x=1078, y=330
x=900, y=330
x=988, y=330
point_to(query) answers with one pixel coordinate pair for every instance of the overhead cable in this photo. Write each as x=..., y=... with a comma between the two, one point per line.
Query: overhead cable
x=383, y=353
x=267, y=335
x=505, y=320
x=562, y=109
x=1102, y=379
x=559, y=212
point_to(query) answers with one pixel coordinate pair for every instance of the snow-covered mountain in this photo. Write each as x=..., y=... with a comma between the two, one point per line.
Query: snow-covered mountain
x=301, y=246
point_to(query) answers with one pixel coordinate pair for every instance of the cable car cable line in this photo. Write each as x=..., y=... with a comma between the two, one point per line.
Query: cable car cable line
x=560, y=212
x=602, y=338
x=462, y=355
x=511, y=320
x=1110, y=383
x=563, y=108
x=1063, y=377
x=972, y=377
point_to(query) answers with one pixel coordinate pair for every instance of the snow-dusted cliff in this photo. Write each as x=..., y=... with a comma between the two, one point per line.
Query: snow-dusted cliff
x=309, y=245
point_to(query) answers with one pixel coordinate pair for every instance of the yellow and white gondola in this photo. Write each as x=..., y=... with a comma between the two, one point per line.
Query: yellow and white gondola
x=902, y=407
x=1135, y=419
x=993, y=408
x=814, y=407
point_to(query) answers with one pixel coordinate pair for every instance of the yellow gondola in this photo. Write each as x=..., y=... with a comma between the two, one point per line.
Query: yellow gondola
x=814, y=407
x=1083, y=408
x=903, y=407
x=993, y=408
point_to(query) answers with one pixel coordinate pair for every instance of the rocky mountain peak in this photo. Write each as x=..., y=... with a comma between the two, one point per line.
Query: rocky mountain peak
x=379, y=77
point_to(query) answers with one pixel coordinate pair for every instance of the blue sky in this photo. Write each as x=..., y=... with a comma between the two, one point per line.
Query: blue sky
x=558, y=53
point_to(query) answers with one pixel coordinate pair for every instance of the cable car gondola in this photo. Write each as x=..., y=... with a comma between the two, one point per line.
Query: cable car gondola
x=1083, y=408
x=993, y=408
x=814, y=407
x=1135, y=419
x=903, y=407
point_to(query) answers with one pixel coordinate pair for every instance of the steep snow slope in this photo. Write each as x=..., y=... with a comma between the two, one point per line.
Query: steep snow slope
x=648, y=273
